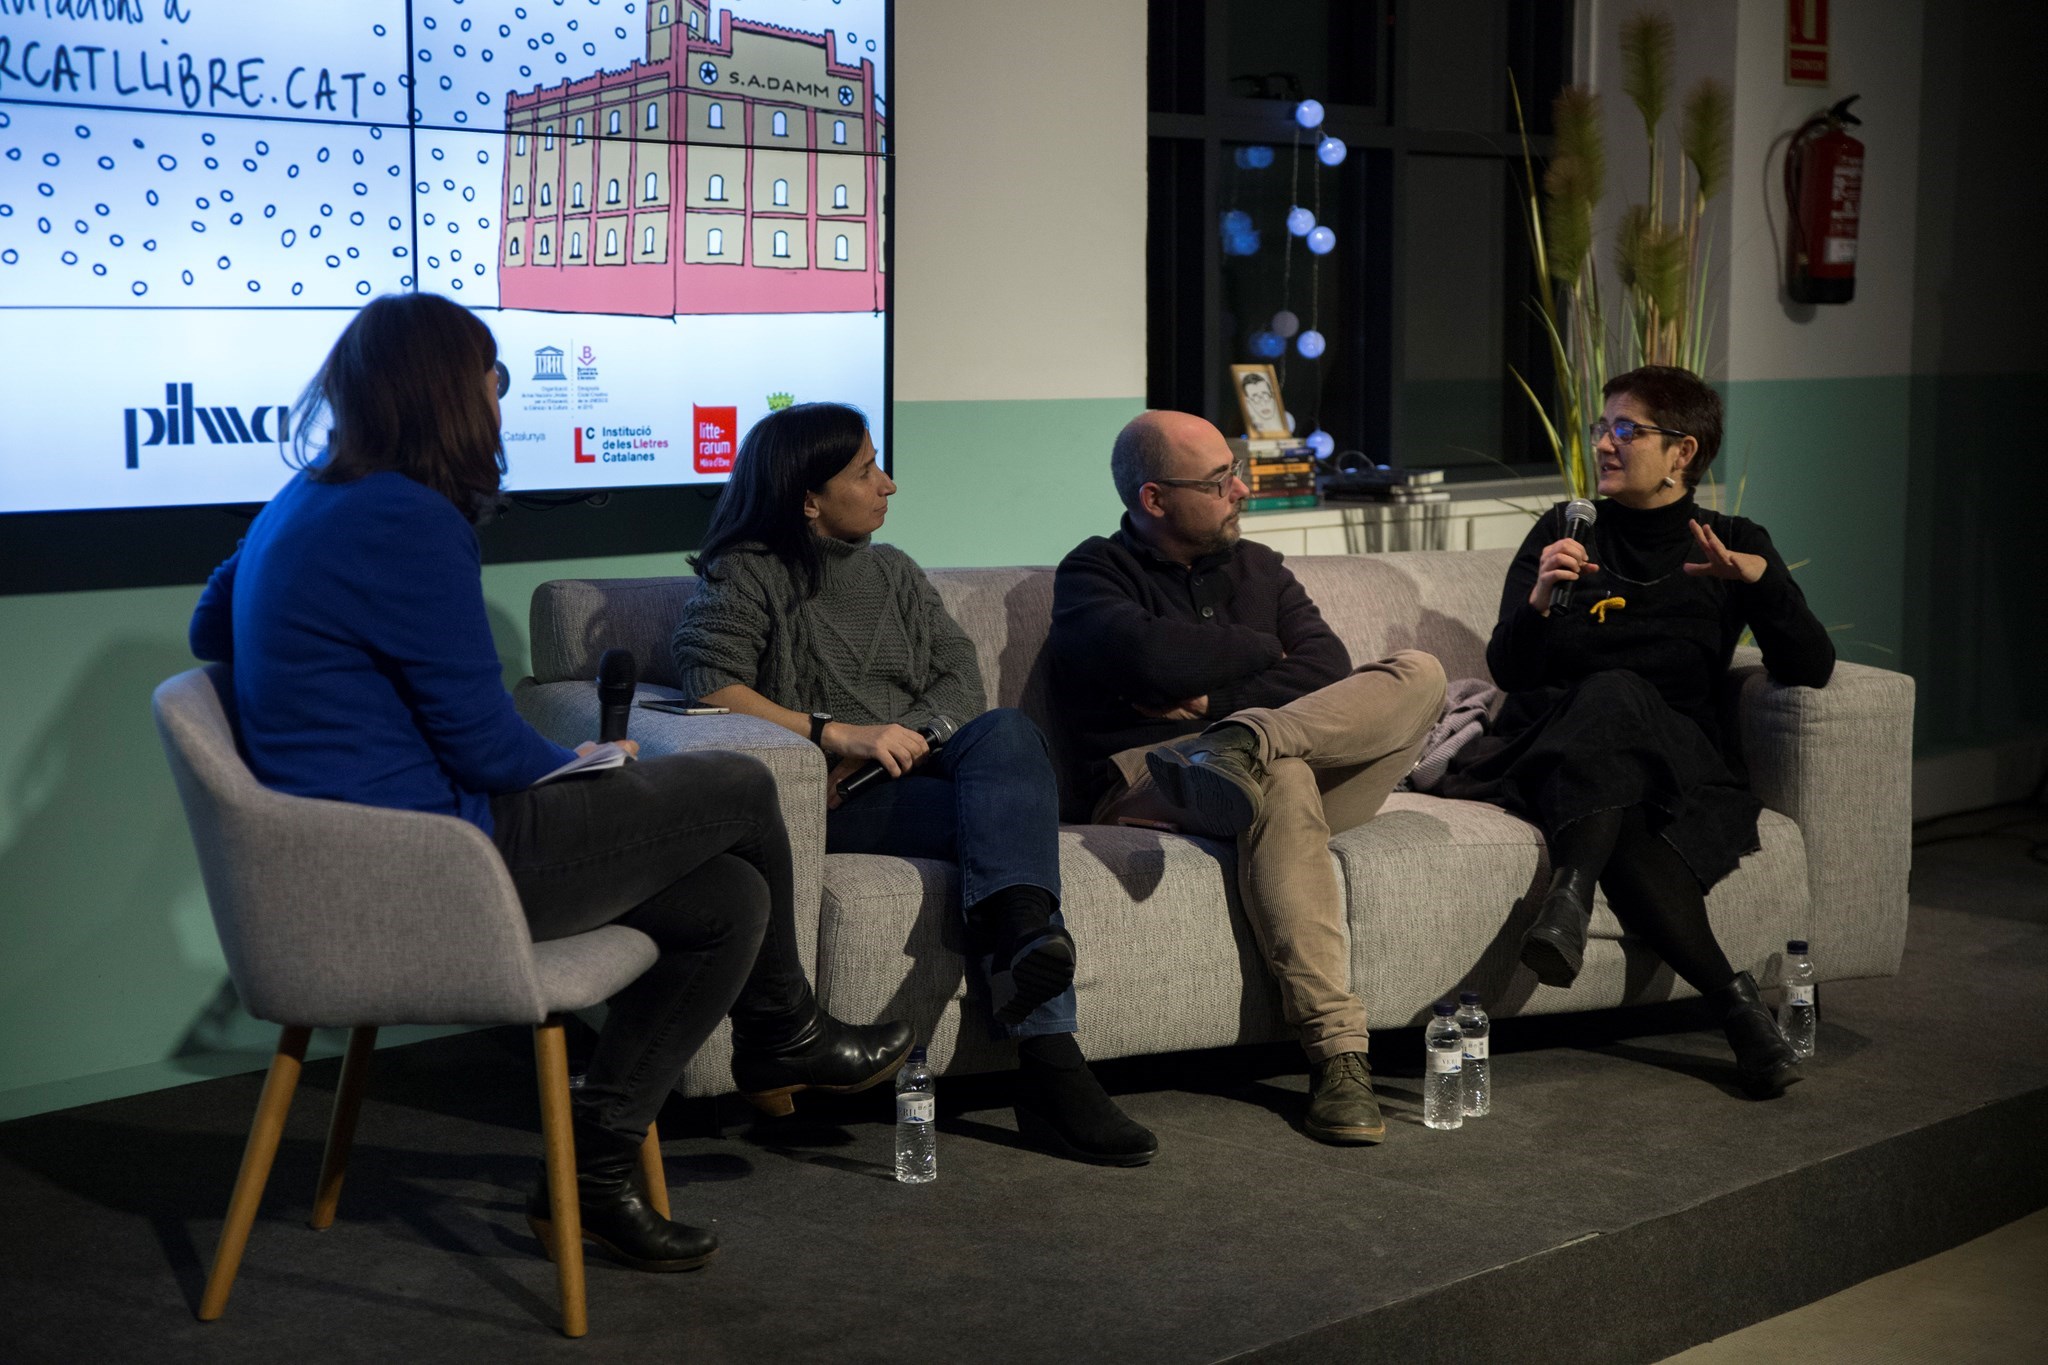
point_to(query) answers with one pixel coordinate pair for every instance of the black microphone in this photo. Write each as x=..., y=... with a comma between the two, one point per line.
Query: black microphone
x=936, y=732
x=616, y=676
x=1579, y=516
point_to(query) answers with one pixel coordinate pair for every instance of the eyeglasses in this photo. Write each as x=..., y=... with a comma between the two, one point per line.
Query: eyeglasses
x=1625, y=430
x=1218, y=487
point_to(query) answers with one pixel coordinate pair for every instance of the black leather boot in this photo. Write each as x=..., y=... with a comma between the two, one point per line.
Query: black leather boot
x=1064, y=1110
x=1764, y=1062
x=808, y=1049
x=615, y=1214
x=1217, y=775
x=1555, y=946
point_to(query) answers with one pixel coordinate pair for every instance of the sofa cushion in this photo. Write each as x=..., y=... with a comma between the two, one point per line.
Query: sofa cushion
x=1167, y=961
x=1441, y=891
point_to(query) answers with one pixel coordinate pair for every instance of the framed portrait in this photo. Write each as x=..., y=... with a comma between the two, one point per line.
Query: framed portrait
x=1258, y=402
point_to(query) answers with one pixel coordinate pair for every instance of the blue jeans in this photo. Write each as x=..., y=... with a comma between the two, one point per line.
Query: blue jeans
x=987, y=801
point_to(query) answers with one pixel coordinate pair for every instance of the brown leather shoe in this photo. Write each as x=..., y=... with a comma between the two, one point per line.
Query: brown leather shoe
x=1341, y=1106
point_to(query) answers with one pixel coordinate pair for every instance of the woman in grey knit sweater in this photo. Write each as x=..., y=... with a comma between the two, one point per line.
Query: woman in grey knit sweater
x=802, y=620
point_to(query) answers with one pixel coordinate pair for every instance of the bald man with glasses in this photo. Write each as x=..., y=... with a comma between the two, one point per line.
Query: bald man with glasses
x=1206, y=693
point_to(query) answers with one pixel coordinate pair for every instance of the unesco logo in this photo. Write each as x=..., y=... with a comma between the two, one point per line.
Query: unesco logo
x=180, y=422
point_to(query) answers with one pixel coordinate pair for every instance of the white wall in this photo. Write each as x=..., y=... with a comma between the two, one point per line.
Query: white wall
x=1021, y=197
x=1876, y=54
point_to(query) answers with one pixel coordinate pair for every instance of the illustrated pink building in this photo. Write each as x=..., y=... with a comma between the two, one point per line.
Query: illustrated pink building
x=729, y=176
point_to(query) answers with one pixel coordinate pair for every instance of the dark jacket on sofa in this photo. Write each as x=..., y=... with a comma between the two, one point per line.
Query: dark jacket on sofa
x=1129, y=626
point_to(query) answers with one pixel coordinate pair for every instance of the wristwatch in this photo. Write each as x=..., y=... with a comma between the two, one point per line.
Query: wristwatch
x=819, y=720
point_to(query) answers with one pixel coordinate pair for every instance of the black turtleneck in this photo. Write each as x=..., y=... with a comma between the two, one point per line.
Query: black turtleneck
x=1677, y=630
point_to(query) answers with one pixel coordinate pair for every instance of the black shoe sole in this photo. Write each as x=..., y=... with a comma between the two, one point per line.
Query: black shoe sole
x=1039, y=1130
x=1546, y=957
x=1037, y=977
x=545, y=1231
x=1221, y=805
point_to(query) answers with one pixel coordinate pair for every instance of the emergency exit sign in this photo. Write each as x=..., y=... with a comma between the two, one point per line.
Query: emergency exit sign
x=1806, y=42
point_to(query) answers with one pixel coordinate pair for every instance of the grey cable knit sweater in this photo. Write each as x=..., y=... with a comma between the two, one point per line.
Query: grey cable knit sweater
x=874, y=646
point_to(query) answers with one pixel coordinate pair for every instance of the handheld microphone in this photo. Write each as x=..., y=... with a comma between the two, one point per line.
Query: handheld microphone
x=617, y=674
x=935, y=731
x=1579, y=516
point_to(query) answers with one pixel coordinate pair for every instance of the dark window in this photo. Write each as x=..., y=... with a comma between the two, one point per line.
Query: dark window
x=1419, y=304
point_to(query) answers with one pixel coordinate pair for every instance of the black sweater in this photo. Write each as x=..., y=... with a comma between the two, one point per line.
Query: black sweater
x=1130, y=626
x=1678, y=630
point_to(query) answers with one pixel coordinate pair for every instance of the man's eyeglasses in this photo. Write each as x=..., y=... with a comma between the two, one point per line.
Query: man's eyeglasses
x=1218, y=487
x=1625, y=430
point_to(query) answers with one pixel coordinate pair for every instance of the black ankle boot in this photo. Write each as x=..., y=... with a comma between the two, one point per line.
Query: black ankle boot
x=1555, y=946
x=808, y=1049
x=615, y=1215
x=1065, y=1111
x=1764, y=1062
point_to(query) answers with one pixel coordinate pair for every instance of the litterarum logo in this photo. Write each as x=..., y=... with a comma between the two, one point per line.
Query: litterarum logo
x=179, y=422
x=714, y=433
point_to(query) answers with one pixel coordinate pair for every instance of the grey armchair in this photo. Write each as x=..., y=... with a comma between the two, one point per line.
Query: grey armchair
x=335, y=915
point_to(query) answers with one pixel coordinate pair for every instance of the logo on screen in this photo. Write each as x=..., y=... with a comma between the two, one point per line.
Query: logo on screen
x=584, y=456
x=714, y=433
x=180, y=422
x=547, y=364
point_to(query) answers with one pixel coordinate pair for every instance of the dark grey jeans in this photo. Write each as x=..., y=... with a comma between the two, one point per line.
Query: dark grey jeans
x=689, y=849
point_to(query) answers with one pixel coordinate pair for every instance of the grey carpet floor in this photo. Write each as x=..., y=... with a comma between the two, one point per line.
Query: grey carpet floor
x=1620, y=1190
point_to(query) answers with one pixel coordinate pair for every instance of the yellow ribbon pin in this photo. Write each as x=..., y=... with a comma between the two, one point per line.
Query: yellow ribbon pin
x=1599, y=608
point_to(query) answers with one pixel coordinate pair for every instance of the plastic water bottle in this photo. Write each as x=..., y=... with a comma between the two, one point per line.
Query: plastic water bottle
x=917, y=1138
x=1473, y=1023
x=1801, y=1010
x=1443, y=1084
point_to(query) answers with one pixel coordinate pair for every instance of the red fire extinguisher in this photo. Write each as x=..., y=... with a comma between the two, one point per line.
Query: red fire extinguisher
x=1823, y=200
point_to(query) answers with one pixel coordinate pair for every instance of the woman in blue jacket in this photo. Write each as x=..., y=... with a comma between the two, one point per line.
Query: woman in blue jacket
x=364, y=670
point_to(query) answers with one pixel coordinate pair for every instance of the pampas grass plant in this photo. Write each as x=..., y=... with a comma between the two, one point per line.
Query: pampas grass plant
x=1662, y=250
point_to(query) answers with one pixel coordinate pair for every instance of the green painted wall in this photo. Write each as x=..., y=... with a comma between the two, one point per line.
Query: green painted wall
x=112, y=979
x=1822, y=463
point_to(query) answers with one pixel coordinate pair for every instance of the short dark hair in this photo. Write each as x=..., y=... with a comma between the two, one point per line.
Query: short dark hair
x=403, y=390
x=1142, y=453
x=784, y=456
x=1678, y=399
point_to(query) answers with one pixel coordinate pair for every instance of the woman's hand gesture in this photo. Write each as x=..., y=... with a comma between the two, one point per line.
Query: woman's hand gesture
x=1563, y=561
x=1723, y=562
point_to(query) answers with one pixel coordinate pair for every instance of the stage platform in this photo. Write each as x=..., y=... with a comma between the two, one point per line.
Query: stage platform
x=1620, y=1204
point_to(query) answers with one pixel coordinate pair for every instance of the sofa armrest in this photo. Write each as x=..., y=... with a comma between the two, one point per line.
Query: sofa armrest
x=566, y=712
x=1839, y=761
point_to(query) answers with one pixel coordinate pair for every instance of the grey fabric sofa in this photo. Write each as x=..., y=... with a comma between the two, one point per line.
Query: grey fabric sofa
x=1438, y=891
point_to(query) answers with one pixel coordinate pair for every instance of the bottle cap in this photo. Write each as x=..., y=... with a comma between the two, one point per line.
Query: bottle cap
x=917, y=1054
x=1445, y=1009
x=1797, y=945
x=1468, y=997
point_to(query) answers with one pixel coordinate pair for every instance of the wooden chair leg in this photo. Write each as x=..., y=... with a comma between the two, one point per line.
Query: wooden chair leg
x=264, y=1133
x=551, y=1060
x=341, y=1127
x=653, y=1178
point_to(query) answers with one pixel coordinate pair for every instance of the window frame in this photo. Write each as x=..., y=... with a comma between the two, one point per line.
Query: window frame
x=1195, y=121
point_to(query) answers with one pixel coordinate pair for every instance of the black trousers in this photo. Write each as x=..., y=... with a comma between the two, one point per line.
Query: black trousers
x=690, y=849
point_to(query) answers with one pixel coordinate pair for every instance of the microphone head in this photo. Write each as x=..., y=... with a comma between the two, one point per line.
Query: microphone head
x=1580, y=509
x=616, y=669
x=938, y=730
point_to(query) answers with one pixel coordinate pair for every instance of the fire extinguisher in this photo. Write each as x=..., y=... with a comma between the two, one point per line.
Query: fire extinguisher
x=1823, y=200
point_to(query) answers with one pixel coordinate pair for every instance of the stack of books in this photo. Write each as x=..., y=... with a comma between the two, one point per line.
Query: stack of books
x=1384, y=484
x=1280, y=474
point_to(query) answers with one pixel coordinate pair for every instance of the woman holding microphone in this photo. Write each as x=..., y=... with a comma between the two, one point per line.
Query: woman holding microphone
x=363, y=667
x=1610, y=740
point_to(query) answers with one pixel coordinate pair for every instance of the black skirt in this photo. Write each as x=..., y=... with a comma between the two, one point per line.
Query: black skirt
x=1555, y=755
